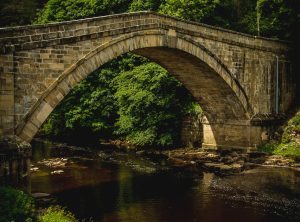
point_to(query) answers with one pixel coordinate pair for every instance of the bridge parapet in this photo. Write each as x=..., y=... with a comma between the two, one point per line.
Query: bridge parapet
x=36, y=36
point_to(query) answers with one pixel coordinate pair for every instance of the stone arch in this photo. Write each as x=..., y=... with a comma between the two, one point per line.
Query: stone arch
x=224, y=101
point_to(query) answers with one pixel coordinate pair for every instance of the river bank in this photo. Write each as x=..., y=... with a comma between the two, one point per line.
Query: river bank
x=220, y=161
x=228, y=162
x=223, y=162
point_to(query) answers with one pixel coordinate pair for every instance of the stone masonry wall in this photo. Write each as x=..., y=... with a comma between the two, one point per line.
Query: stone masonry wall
x=192, y=131
x=6, y=94
x=33, y=57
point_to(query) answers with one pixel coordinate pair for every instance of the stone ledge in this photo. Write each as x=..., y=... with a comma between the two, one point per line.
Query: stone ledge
x=20, y=34
x=14, y=147
x=214, y=147
x=266, y=119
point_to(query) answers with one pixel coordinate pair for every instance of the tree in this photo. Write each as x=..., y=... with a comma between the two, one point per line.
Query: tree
x=278, y=18
x=64, y=10
x=141, y=5
x=19, y=12
x=195, y=10
x=151, y=105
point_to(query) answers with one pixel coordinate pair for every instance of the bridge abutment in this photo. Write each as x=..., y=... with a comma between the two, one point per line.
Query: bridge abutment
x=15, y=158
x=237, y=135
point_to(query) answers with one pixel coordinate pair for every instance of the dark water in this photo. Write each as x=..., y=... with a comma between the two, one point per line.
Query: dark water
x=123, y=187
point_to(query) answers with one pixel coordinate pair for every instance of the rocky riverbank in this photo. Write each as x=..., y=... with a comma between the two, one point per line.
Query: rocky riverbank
x=222, y=162
x=227, y=162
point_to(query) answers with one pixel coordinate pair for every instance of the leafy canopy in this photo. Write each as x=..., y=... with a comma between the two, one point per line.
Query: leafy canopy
x=151, y=105
x=63, y=10
x=196, y=10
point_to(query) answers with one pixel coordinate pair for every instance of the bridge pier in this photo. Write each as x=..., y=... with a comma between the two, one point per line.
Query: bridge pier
x=236, y=135
x=15, y=157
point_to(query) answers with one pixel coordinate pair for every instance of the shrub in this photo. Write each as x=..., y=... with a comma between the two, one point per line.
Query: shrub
x=267, y=147
x=15, y=205
x=291, y=150
x=57, y=214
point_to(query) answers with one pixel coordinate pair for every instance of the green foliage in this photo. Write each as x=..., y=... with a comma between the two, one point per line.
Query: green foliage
x=15, y=205
x=292, y=130
x=151, y=105
x=57, y=214
x=141, y=5
x=290, y=141
x=64, y=10
x=272, y=18
x=278, y=15
x=291, y=149
x=18, y=12
x=128, y=98
x=267, y=147
x=195, y=10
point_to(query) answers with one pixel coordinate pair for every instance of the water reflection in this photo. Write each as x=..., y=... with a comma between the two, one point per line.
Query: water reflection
x=108, y=191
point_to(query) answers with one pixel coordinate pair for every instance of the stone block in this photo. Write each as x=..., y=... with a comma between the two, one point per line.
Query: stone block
x=7, y=102
x=56, y=66
x=41, y=114
x=6, y=82
x=54, y=97
x=64, y=88
x=28, y=131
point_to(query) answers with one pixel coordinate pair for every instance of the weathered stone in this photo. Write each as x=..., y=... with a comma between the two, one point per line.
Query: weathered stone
x=224, y=168
x=14, y=156
x=230, y=74
x=191, y=131
x=14, y=143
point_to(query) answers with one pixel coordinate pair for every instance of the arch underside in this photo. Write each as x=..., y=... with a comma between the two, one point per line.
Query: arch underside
x=215, y=97
x=201, y=73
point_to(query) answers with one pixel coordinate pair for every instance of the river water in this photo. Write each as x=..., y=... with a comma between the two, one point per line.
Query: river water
x=105, y=185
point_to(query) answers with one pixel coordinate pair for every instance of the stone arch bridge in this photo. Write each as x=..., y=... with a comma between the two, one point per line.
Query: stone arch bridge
x=242, y=82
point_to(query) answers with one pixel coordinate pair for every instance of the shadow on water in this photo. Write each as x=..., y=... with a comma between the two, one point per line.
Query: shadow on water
x=110, y=189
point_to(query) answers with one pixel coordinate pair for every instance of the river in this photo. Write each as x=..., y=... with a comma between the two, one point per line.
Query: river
x=109, y=185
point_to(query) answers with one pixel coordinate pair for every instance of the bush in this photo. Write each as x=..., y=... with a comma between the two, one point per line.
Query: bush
x=15, y=205
x=289, y=145
x=151, y=105
x=57, y=214
x=267, y=147
x=291, y=150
